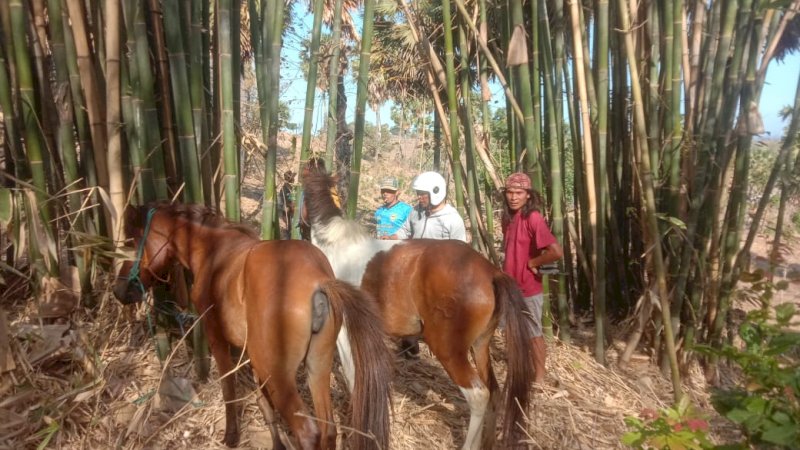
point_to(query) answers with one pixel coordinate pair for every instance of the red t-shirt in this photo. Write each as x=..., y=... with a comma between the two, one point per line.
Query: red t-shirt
x=523, y=239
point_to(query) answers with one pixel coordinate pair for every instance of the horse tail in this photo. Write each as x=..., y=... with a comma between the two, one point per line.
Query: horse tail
x=373, y=370
x=519, y=378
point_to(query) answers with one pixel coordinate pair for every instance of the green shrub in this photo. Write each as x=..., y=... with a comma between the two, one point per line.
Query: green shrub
x=766, y=406
x=673, y=428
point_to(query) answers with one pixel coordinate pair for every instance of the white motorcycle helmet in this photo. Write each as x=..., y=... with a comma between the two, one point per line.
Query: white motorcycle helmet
x=433, y=184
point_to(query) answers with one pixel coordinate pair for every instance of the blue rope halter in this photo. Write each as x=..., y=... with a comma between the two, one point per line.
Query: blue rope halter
x=133, y=275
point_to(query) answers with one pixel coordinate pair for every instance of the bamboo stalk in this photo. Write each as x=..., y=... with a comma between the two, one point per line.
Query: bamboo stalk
x=361, y=102
x=490, y=58
x=277, y=10
x=524, y=96
x=586, y=133
x=151, y=141
x=600, y=301
x=333, y=76
x=230, y=177
x=646, y=178
x=167, y=123
x=17, y=164
x=116, y=189
x=91, y=92
x=470, y=179
x=311, y=80
x=197, y=50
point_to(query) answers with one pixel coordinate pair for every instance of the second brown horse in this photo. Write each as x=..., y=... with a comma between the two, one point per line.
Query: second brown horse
x=279, y=301
x=444, y=292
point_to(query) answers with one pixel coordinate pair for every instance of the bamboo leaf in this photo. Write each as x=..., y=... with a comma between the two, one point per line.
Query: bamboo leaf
x=106, y=199
x=673, y=220
x=517, y=48
x=45, y=245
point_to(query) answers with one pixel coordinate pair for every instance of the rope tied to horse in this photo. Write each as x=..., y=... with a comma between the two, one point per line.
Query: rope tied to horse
x=182, y=318
x=133, y=275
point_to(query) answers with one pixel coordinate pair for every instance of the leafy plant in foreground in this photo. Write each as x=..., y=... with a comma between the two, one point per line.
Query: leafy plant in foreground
x=766, y=405
x=673, y=428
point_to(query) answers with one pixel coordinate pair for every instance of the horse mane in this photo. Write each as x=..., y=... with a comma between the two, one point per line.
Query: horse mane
x=328, y=223
x=318, y=198
x=194, y=213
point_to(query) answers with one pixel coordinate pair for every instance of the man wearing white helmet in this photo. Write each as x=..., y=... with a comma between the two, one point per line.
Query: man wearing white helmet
x=432, y=218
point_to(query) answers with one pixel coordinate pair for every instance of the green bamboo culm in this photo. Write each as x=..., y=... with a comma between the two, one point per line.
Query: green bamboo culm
x=469, y=141
x=601, y=184
x=308, y=112
x=452, y=105
x=18, y=165
x=190, y=163
x=553, y=148
x=649, y=200
x=332, y=124
x=66, y=143
x=34, y=140
x=230, y=177
x=525, y=97
x=144, y=92
x=258, y=42
x=361, y=103
x=31, y=129
x=311, y=81
x=275, y=35
x=197, y=88
x=133, y=116
x=140, y=176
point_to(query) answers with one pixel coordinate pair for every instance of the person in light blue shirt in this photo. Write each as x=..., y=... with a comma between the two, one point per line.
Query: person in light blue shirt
x=390, y=216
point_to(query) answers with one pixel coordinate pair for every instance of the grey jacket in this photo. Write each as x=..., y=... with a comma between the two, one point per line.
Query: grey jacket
x=443, y=224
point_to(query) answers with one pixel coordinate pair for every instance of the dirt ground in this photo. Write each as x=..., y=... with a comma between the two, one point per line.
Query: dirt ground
x=95, y=381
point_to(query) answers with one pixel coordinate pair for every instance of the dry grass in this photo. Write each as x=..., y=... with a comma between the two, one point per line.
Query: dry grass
x=99, y=390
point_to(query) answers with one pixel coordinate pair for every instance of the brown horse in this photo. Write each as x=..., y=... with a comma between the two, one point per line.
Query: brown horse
x=443, y=291
x=279, y=301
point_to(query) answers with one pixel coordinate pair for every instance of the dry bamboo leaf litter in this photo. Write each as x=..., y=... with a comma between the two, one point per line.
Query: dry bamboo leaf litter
x=583, y=405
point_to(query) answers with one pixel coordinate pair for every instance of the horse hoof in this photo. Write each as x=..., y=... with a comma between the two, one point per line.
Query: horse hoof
x=231, y=439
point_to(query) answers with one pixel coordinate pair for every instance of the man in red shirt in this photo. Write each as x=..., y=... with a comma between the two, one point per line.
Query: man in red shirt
x=528, y=245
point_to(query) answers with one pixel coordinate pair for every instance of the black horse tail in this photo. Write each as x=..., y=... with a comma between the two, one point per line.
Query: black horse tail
x=371, y=391
x=518, y=357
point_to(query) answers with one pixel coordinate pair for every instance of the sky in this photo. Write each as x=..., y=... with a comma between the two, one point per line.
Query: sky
x=779, y=89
